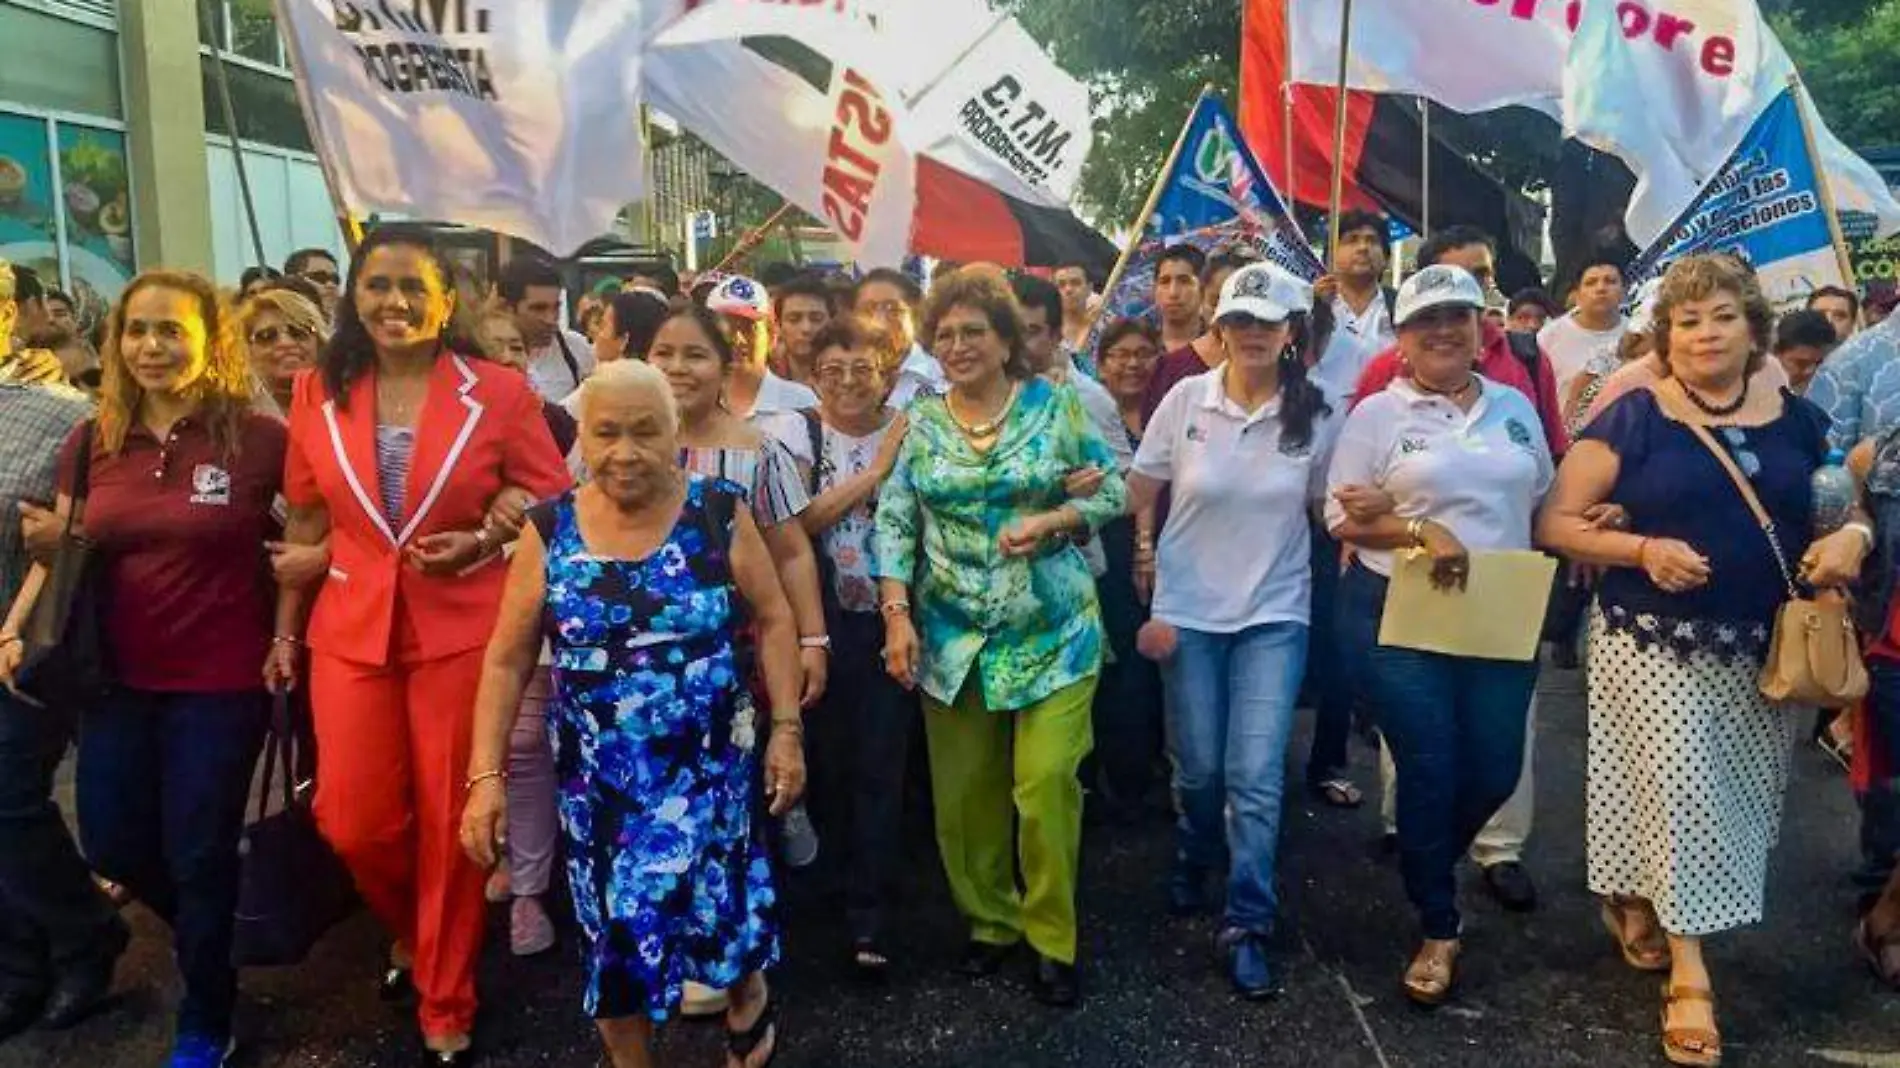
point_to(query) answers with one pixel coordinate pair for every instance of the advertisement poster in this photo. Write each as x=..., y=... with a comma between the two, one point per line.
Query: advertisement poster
x=27, y=230
x=97, y=202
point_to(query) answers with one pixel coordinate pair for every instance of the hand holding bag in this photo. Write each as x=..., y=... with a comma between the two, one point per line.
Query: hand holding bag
x=63, y=664
x=294, y=888
x=1814, y=656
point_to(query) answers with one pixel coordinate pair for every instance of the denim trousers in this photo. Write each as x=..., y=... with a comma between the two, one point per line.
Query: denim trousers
x=1880, y=805
x=52, y=918
x=1456, y=728
x=163, y=780
x=1327, y=684
x=860, y=738
x=1230, y=714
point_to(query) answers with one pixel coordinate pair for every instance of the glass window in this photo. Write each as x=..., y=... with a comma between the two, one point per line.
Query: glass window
x=98, y=205
x=58, y=64
x=266, y=106
x=28, y=231
x=254, y=32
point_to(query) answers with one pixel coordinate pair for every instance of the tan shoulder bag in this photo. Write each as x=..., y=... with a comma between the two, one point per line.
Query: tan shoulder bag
x=1814, y=656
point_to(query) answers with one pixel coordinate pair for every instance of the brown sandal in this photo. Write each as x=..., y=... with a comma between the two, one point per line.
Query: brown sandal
x=1649, y=953
x=1428, y=980
x=1878, y=951
x=1696, y=1047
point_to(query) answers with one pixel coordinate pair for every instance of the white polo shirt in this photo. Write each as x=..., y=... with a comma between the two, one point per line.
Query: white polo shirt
x=1235, y=550
x=1357, y=338
x=1480, y=473
x=919, y=374
x=548, y=370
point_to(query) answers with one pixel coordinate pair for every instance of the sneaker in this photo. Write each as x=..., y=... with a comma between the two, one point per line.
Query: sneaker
x=798, y=842
x=530, y=931
x=700, y=1001
x=201, y=1051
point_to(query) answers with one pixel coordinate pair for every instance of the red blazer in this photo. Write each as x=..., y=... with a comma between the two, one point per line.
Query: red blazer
x=481, y=429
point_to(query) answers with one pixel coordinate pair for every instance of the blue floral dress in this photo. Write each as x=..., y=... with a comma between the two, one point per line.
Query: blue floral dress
x=656, y=759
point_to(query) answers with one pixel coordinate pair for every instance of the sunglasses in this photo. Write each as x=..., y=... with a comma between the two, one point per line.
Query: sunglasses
x=271, y=335
x=321, y=278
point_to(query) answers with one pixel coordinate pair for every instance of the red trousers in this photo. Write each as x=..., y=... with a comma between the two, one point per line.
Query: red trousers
x=393, y=746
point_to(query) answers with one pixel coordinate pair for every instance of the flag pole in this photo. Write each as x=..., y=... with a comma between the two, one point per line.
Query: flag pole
x=1287, y=108
x=1425, y=162
x=223, y=81
x=1148, y=208
x=750, y=242
x=1821, y=180
x=1339, y=137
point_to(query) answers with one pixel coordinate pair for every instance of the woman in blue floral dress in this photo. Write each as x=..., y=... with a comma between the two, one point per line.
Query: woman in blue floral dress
x=639, y=580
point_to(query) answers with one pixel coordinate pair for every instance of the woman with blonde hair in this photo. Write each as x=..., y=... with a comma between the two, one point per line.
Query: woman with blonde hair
x=1688, y=761
x=281, y=332
x=181, y=473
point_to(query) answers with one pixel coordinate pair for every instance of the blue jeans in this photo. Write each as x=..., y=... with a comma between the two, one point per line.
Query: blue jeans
x=162, y=782
x=1879, y=806
x=1456, y=729
x=1230, y=713
x=1327, y=681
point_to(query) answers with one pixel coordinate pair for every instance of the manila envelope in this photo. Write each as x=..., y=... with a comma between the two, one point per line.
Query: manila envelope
x=1498, y=616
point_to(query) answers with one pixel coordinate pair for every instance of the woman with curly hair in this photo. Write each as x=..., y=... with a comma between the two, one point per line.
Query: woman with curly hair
x=181, y=473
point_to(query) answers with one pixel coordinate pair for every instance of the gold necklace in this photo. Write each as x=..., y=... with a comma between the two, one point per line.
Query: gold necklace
x=990, y=429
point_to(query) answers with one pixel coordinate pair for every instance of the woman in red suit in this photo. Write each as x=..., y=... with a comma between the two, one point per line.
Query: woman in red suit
x=400, y=441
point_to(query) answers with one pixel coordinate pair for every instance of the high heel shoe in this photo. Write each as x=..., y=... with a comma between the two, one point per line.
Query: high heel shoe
x=1428, y=980
x=1645, y=953
x=1695, y=1047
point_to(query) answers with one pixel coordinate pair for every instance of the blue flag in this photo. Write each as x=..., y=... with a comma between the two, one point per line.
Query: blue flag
x=1764, y=205
x=1215, y=197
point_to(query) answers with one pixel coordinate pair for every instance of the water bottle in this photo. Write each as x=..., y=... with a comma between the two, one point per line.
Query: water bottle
x=1833, y=494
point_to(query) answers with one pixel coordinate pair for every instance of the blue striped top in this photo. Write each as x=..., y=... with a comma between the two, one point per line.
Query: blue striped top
x=395, y=449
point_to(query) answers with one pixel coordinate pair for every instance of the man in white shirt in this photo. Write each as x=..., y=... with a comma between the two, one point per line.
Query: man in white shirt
x=753, y=391
x=1595, y=324
x=1362, y=310
x=890, y=299
x=559, y=360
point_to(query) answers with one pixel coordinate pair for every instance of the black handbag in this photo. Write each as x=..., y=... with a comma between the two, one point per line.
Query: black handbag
x=63, y=663
x=294, y=888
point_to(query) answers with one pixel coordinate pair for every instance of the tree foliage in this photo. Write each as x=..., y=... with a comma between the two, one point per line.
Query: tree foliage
x=1146, y=59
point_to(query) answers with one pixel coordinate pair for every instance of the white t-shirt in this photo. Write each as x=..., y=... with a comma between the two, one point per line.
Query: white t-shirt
x=1480, y=473
x=848, y=541
x=776, y=413
x=1357, y=338
x=1570, y=347
x=548, y=371
x=919, y=374
x=1235, y=551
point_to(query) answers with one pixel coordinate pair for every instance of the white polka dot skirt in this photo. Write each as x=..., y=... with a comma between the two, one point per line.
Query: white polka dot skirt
x=1688, y=767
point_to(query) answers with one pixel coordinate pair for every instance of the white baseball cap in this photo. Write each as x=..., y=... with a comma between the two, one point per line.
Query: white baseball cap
x=1440, y=285
x=1265, y=291
x=740, y=296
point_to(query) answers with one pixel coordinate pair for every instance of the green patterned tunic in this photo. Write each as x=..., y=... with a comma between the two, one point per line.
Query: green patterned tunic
x=1028, y=626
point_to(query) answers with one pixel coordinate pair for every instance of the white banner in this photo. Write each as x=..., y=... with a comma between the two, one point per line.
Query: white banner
x=520, y=117
x=1676, y=122
x=1668, y=85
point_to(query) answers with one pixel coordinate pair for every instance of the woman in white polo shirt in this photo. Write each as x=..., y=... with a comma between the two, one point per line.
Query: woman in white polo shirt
x=1243, y=448
x=1463, y=465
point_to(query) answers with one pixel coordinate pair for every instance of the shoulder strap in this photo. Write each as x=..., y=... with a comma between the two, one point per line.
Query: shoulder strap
x=1524, y=347
x=815, y=433
x=81, y=483
x=1669, y=395
x=543, y=517
x=718, y=507
x=567, y=357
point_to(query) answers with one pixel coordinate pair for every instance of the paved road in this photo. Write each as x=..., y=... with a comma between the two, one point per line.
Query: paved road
x=1546, y=989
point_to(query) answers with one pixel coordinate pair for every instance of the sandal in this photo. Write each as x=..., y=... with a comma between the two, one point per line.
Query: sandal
x=1428, y=980
x=741, y=1045
x=1647, y=953
x=1881, y=952
x=868, y=961
x=1339, y=793
x=1696, y=1047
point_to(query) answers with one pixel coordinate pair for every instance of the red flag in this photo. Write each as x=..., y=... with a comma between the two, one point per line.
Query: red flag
x=1263, y=72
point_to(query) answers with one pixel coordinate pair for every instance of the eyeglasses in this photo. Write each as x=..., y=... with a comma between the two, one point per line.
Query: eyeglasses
x=321, y=278
x=963, y=335
x=836, y=375
x=271, y=335
x=882, y=309
x=1136, y=353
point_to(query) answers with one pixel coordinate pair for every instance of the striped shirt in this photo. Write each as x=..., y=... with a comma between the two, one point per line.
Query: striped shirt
x=768, y=475
x=34, y=422
x=395, y=449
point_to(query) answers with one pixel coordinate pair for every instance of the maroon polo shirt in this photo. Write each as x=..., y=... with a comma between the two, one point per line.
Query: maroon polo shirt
x=180, y=529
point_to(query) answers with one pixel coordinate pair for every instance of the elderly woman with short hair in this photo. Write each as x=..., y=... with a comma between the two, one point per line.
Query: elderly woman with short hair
x=640, y=579
x=1688, y=760
x=989, y=608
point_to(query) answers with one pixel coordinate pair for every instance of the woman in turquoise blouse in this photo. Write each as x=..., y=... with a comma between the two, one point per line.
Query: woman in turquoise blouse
x=989, y=608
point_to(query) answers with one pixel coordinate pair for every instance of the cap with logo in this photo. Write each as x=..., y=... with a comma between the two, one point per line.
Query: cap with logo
x=1439, y=286
x=1264, y=291
x=740, y=296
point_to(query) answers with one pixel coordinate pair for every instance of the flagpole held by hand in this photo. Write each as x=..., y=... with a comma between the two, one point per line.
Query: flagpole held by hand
x=1339, y=137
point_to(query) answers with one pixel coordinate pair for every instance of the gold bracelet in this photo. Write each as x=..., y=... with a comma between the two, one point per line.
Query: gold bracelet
x=895, y=608
x=1415, y=530
x=478, y=779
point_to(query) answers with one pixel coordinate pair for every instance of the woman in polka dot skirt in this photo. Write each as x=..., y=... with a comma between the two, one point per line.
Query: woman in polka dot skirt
x=1688, y=761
